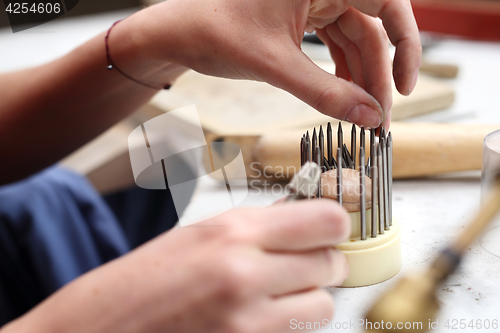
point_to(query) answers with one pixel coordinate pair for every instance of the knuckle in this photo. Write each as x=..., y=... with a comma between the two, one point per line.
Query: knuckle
x=239, y=229
x=337, y=267
x=325, y=101
x=325, y=305
x=338, y=219
x=239, y=278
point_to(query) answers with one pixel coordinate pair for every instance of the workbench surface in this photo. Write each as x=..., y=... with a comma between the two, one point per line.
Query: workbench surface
x=431, y=211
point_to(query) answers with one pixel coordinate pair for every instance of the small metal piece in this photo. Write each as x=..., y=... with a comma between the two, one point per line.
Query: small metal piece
x=314, y=144
x=386, y=182
x=335, y=164
x=353, y=146
x=389, y=164
x=304, y=183
x=329, y=144
x=380, y=167
x=373, y=152
x=348, y=163
x=374, y=174
x=307, y=137
x=318, y=158
x=339, y=176
x=321, y=139
x=308, y=151
x=362, y=139
x=302, y=151
x=362, y=188
x=340, y=136
x=367, y=167
x=326, y=165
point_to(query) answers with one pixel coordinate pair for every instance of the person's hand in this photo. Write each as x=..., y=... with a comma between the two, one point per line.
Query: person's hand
x=248, y=270
x=260, y=40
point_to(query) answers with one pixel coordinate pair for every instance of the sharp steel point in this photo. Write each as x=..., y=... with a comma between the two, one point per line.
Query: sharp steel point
x=362, y=139
x=329, y=143
x=318, y=158
x=347, y=157
x=381, y=218
x=307, y=137
x=374, y=174
x=389, y=163
x=321, y=139
x=302, y=151
x=362, y=197
x=339, y=176
x=304, y=184
x=367, y=167
x=326, y=164
x=373, y=152
x=314, y=145
x=386, y=183
x=335, y=164
x=353, y=146
x=308, y=152
x=340, y=136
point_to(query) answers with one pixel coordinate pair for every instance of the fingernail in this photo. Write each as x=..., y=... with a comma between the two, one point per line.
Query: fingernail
x=365, y=115
x=413, y=82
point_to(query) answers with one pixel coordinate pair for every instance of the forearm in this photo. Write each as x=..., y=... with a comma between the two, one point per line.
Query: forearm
x=49, y=111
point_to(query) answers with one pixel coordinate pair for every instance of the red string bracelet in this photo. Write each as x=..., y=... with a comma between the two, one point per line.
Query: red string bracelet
x=112, y=65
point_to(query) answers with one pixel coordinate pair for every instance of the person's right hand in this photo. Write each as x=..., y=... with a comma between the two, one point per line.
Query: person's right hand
x=261, y=40
x=248, y=270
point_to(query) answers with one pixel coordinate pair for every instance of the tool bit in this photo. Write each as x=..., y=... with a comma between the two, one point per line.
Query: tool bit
x=353, y=146
x=326, y=166
x=308, y=151
x=362, y=139
x=339, y=176
x=362, y=188
x=340, y=136
x=374, y=178
x=302, y=149
x=313, y=146
x=373, y=151
x=386, y=182
x=329, y=144
x=321, y=139
x=304, y=184
x=340, y=142
x=381, y=218
x=389, y=164
x=318, y=158
x=348, y=163
x=367, y=167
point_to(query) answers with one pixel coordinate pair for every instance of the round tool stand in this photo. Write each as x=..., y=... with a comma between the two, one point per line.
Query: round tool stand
x=373, y=260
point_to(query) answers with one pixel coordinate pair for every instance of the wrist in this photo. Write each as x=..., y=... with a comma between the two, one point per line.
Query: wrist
x=130, y=51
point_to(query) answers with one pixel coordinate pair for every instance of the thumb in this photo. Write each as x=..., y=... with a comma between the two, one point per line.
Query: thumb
x=325, y=92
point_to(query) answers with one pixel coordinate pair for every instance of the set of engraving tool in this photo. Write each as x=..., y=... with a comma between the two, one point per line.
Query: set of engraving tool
x=378, y=168
x=364, y=188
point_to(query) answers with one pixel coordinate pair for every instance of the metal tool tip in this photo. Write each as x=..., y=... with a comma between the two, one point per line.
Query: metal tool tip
x=305, y=182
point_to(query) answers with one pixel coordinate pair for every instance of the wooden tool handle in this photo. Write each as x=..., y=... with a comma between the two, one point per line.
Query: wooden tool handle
x=419, y=149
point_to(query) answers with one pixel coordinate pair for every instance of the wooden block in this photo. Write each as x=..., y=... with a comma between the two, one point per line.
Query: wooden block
x=232, y=107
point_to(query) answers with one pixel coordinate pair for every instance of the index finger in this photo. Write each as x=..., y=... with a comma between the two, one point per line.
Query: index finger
x=303, y=225
x=399, y=22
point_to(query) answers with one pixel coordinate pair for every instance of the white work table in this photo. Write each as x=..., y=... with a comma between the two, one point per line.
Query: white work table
x=430, y=211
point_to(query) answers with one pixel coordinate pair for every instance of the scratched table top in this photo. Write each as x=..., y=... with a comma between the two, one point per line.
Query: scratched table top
x=431, y=211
